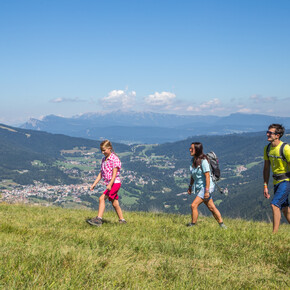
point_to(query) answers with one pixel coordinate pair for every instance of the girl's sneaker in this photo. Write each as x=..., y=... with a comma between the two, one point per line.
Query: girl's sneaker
x=223, y=226
x=122, y=221
x=190, y=225
x=95, y=221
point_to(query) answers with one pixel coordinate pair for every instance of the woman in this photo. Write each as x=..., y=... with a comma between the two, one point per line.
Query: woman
x=201, y=183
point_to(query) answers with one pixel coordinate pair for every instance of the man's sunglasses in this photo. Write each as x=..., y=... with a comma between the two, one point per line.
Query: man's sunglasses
x=271, y=133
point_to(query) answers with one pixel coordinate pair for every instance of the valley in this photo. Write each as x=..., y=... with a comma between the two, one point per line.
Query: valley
x=57, y=170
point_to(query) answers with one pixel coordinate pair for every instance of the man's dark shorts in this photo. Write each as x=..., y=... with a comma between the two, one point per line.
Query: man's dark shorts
x=281, y=194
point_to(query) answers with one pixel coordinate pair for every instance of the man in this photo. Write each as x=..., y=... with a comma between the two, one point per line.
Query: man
x=279, y=159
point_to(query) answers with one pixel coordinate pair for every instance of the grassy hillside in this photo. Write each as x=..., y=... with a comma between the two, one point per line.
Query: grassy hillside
x=45, y=247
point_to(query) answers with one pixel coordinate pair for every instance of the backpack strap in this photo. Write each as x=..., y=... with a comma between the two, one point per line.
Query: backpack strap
x=281, y=151
x=268, y=149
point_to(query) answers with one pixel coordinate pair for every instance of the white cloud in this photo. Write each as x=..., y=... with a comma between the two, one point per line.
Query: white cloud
x=160, y=99
x=66, y=100
x=260, y=99
x=190, y=109
x=57, y=100
x=245, y=110
x=210, y=106
x=119, y=99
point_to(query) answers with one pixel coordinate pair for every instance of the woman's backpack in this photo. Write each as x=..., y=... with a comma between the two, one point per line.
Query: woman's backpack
x=214, y=166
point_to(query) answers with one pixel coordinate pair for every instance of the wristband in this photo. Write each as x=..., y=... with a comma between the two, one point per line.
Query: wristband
x=265, y=184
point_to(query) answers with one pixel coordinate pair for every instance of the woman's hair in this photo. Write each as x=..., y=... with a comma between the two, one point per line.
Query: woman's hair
x=199, y=155
x=106, y=144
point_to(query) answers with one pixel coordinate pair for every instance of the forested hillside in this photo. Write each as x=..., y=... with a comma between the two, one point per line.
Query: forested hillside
x=236, y=152
x=38, y=167
x=19, y=148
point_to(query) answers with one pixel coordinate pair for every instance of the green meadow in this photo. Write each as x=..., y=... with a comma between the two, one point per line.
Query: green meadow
x=54, y=248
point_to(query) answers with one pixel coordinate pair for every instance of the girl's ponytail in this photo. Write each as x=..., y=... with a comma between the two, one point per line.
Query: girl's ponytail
x=106, y=144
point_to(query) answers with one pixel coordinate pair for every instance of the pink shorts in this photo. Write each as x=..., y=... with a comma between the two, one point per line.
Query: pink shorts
x=113, y=193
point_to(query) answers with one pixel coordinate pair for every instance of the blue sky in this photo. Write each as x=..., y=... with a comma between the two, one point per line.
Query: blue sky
x=69, y=57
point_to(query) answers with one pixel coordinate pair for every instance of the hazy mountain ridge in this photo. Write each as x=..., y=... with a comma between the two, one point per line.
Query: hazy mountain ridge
x=148, y=127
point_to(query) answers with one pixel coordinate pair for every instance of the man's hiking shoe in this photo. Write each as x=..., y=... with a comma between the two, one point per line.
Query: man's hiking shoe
x=223, y=226
x=95, y=221
x=190, y=225
x=122, y=221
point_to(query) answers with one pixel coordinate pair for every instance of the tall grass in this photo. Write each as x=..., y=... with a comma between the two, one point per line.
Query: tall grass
x=54, y=248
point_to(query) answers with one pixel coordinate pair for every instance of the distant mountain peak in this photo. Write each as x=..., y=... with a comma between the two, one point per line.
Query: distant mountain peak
x=33, y=122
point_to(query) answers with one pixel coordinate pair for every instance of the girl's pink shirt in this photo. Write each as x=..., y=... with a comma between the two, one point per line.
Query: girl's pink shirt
x=107, y=167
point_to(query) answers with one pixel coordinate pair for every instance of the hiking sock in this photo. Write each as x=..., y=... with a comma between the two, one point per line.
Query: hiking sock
x=99, y=218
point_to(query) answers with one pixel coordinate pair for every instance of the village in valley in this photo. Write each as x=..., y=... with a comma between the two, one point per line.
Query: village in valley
x=83, y=164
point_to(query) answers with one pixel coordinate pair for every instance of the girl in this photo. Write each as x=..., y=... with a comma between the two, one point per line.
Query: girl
x=203, y=185
x=110, y=172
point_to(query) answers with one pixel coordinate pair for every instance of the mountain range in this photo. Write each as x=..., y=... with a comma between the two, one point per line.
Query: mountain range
x=147, y=127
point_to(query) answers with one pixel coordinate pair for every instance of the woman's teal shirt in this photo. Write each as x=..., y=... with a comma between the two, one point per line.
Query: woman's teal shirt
x=198, y=175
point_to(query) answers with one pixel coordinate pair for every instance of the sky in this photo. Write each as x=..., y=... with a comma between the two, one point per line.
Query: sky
x=198, y=57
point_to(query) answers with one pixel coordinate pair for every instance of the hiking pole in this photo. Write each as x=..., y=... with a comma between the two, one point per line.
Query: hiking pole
x=220, y=190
